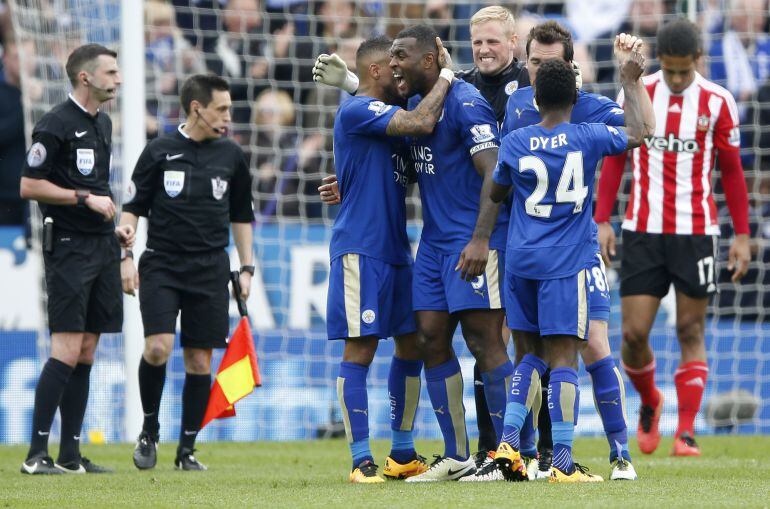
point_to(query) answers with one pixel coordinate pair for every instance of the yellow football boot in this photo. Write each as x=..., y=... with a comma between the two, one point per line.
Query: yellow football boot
x=365, y=473
x=579, y=475
x=509, y=462
x=395, y=470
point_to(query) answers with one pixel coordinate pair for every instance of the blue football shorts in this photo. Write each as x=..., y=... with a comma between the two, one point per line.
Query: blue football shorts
x=438, y=287
x=561, y=306
x=368, y=297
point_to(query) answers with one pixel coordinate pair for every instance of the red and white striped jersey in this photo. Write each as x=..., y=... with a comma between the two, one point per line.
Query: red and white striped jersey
x=672, y=185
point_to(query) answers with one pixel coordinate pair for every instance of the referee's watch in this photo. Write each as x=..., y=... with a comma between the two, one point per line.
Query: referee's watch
x=247, y=268
x=82, y=195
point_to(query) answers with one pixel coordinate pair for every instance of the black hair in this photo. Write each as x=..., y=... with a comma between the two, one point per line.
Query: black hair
x=200, y=87
x=369, y=47
x=555, y=85
x=679, y=38
x=425, y=36
x=83, y=57
x=551, y=32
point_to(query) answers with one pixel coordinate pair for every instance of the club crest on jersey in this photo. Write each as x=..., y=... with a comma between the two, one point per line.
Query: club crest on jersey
x=379, y=107
x=218, y=187
x=703, y=123
x=85, y=160
x=173, y=182
x=511, y=87
x=482, y=133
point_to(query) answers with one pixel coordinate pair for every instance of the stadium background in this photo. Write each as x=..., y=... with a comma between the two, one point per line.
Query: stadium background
x=266, y=49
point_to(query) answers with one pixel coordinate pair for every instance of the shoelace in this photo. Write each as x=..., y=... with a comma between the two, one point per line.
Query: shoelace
x=369, y=469
x=580, y=468
x=645, y=417
x=480, y=457
x=690, y=441
x=421, y=459
x=437, y=458
x=486, y=469
x=622, y=464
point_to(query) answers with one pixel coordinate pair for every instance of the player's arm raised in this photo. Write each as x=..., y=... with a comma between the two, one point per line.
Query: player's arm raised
x=422, y=120
x=640, y=116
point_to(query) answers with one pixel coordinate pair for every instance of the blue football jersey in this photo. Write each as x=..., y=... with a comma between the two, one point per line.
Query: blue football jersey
x=450, y=187
x=372, y=180
x=591, y=108
x=552, y=173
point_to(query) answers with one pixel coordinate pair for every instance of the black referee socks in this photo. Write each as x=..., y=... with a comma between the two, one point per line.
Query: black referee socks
x=195, y=398
x=151, y=382
x=50, y=387
x=73, y=409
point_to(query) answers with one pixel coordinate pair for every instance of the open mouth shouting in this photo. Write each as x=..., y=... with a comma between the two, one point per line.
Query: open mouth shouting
x=400, y=82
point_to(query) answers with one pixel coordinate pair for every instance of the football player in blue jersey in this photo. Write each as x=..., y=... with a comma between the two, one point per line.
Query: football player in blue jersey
x=496, y=73
x=547, y=41
x=371, y=264
x=551, y=249
x=458, y=267
x=459, y=263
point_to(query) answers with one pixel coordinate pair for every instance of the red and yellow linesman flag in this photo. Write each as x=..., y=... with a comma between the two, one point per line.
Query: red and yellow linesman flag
x=238, y=373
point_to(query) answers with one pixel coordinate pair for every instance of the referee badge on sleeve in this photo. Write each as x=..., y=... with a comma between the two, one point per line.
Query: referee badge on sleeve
x=85, y=160
x=173, y=182
x=218, y=187
x=36, y=155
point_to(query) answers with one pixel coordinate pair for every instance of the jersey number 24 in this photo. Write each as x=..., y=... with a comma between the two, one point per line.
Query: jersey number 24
x=569, y=190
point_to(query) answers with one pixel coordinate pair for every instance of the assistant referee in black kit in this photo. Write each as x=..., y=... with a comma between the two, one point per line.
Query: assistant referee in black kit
x=191, y=184
x=67, y=171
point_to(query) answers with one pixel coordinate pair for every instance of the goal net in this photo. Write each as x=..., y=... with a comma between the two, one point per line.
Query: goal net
x=284, y=122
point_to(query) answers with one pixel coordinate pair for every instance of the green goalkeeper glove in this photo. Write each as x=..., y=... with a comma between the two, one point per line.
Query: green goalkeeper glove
x=331, y=70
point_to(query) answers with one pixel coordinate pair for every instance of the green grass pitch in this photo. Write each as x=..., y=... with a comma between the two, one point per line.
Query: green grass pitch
x=733, y=472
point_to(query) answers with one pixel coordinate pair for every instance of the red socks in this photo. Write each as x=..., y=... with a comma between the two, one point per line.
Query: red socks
x=690, y=380
x=644, y=383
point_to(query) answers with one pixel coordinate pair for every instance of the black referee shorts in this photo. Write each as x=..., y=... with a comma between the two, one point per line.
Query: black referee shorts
x=82, y=276
x=193, y=283
x=652, y=261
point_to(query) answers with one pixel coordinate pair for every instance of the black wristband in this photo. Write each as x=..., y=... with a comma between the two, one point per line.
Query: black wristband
x=247, y=268
x=82, y=195
x=126, y=253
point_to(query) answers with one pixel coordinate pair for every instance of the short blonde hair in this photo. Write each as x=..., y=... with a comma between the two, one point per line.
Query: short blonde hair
x=275, y=101
x=155, y=11
x=495, y=13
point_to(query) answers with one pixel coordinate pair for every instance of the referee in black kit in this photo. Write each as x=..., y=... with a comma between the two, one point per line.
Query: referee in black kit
x=191, y=184
x=67, y=171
